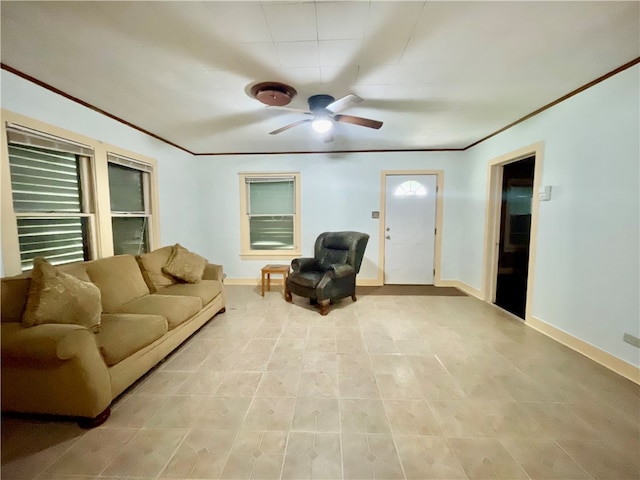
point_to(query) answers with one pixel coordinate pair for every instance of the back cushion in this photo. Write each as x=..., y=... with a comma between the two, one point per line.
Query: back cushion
x=119, y=280
x=14, y=291
x=329, y=256
x=78, y=270
x=151, y=265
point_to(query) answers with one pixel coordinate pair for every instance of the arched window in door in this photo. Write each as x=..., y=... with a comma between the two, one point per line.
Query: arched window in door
x=410, y=188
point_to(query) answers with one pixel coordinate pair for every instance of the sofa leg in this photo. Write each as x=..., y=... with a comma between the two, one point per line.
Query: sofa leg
x=353, y=297
x=222, y=310
x=287, y=296
x=95, y=421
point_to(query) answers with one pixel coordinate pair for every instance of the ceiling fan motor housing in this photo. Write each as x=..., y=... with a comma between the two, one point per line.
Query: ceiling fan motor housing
x=319, y=102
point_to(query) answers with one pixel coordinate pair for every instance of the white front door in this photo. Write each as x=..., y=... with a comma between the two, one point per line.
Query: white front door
x=410, y=223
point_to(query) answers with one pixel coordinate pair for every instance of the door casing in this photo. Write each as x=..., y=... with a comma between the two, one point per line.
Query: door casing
x=492, y=221
x=438, y=236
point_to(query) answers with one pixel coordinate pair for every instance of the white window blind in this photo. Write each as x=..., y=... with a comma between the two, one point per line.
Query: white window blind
x=49, y=201
x=271, y=211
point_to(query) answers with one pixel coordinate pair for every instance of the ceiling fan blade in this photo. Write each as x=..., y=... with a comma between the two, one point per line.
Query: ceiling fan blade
x=342, y=103
x=289, y=109
x=291, y=125
x=363, y=122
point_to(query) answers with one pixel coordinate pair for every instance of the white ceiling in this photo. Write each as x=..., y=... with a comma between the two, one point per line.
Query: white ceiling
x=438, y=74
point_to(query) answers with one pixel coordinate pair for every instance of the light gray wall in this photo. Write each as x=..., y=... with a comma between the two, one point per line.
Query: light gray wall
x=587, y=276
x=339, y=192
x=179, y=220
x=587, y=271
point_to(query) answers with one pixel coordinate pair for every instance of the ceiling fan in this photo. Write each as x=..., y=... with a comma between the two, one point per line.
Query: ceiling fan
x=325, y=111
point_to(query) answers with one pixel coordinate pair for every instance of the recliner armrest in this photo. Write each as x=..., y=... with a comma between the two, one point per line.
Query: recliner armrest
x=305, y=264
x=340, y=270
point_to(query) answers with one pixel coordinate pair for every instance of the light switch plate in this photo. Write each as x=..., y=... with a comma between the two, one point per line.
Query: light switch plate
x=631, y=340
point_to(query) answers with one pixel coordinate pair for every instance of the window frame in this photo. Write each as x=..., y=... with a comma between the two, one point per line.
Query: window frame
x=95, y=181
x=245, y=244
x=147, y=172
x=86, y=204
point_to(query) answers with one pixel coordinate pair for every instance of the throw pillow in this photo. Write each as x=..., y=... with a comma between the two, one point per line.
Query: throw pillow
x=57, y=297
x=185, y=265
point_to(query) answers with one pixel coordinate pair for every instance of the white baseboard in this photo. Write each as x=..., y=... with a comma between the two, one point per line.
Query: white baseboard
x=605, y=359
x=250, y=281
x=365, y=282
x=469, y=290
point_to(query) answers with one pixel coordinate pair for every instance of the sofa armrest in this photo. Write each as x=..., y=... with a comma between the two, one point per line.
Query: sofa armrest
x=305, y=264
x=213, y=272
x=45, y=342
x=340, y=270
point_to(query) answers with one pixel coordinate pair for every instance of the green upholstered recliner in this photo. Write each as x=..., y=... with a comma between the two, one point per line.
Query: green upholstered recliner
x=331, y=274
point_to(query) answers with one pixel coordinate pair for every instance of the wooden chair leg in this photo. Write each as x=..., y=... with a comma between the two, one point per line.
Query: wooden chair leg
x=324, y=307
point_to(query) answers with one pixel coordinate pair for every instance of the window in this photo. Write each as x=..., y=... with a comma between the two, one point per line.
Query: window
x=130, y=215
x=51, y=197
x=410, y=188
x=70, y=198
x=270, y=218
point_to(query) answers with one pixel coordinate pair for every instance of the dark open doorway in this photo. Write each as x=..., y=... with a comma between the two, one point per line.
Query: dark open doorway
x=515, y=236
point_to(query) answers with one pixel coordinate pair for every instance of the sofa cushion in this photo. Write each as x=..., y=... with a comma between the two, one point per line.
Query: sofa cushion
x=15, y=291
x=151, y=266
x=206, y=290
x=57, y=297
x=123, y=334
x=176, y=309
x=77, y=269
x=119, y=280
x=185, y=265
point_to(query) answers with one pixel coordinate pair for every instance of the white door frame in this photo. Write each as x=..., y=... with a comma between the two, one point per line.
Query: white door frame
x=383, y=202
x=492, y=221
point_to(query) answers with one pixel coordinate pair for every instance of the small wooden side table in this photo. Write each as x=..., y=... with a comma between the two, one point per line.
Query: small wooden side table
x=268, y=270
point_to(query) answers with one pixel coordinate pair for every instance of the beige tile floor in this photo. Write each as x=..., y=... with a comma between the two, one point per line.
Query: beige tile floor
x=387, y=387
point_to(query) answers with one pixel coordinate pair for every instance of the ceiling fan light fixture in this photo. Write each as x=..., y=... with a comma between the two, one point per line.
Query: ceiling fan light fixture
x=322, y=124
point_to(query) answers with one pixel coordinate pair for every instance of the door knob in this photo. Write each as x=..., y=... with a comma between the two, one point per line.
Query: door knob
x=388, y=237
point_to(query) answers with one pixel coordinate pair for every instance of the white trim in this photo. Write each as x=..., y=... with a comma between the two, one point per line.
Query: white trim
x=245, y=251
x=492, y=221
x=100, y=225
x=437, y=255
x=365, y=282
x=468, y=289
x=129, y=162
x=605, y=359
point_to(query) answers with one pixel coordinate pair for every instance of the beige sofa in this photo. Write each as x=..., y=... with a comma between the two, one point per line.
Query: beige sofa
x=66, y=369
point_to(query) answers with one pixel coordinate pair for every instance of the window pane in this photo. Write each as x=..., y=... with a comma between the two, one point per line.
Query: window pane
x=60, y=240
x=271, y=233
x=130, y=235
x=126, y=187
x=44, y=180
x=271, y=198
